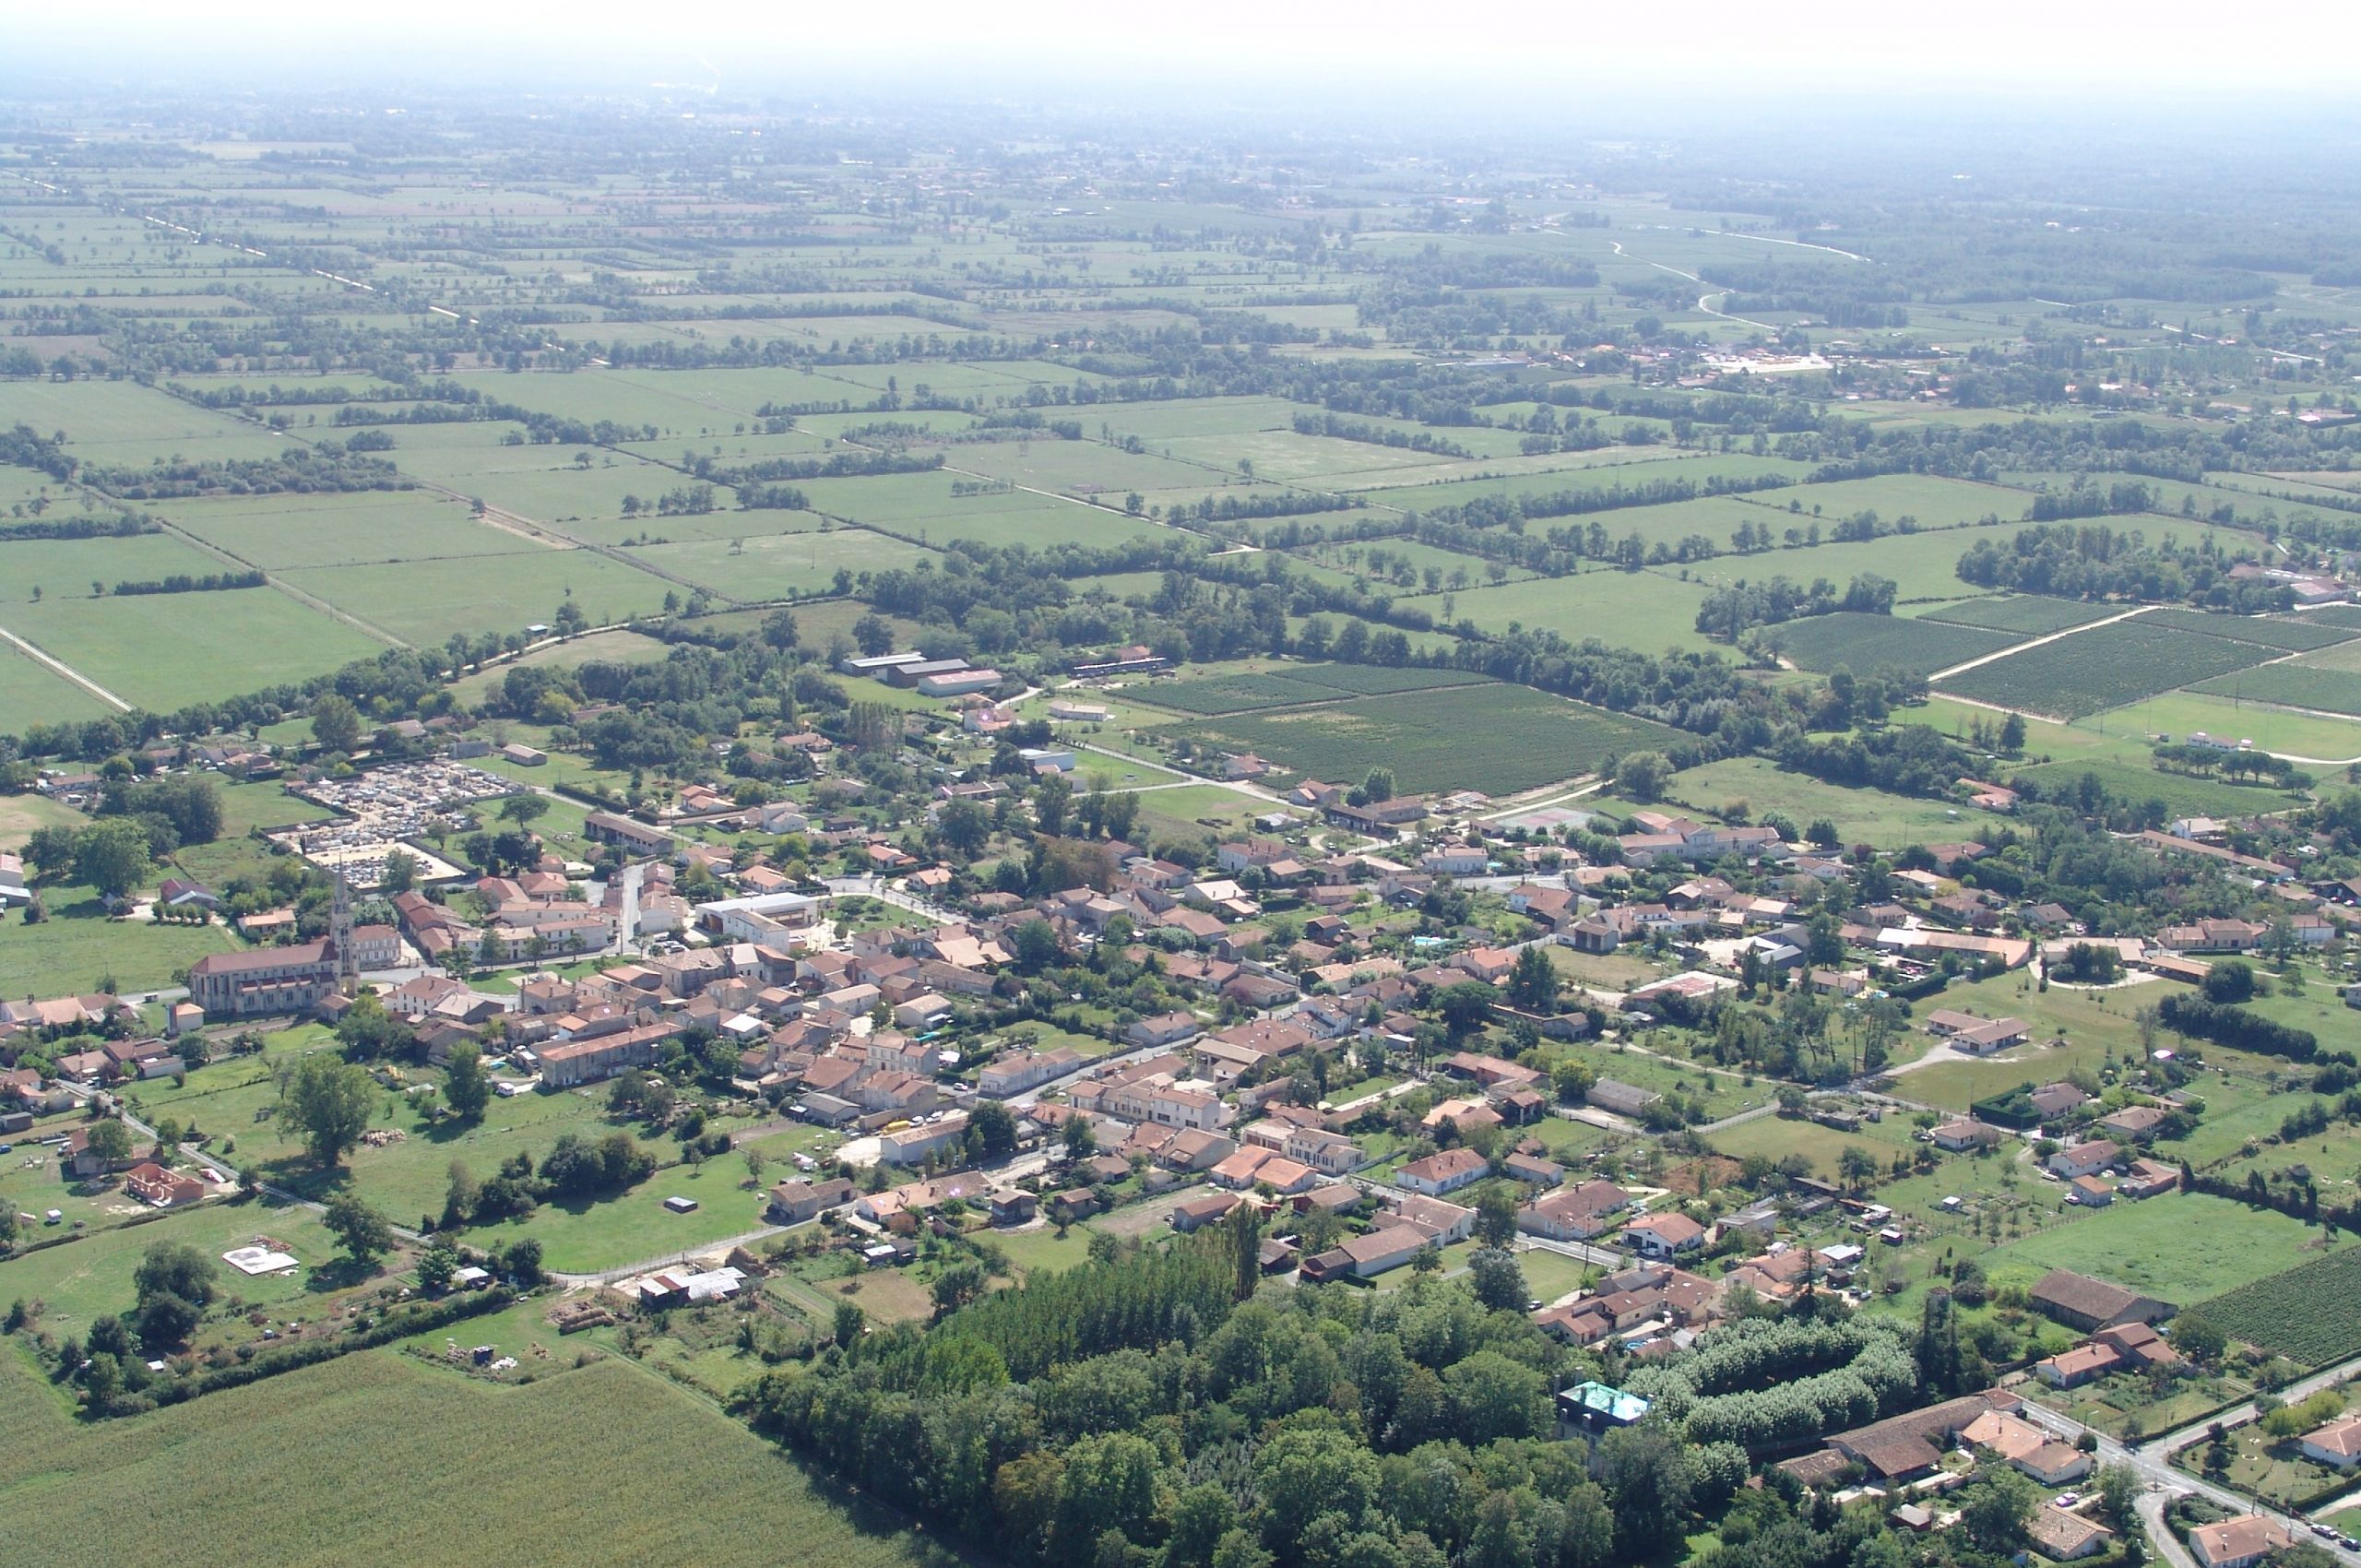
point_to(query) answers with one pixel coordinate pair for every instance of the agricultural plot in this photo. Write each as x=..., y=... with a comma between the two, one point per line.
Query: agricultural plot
x=1583, y=472
x=2181, y=1247
x=2292, y=684
x=2182, y=794
x=1295, y=684
x=162, y=651
x=1863, y=642
x=111, y=423
x=344, y=1452
x=2287, y=635
x=1648, y=610
x=609, y=647
x=33, y=569
x=31, y=693
x=775, y=565
x=2032, y=614
x=1861, y=815
x=276, y=532
x=1923, y=567
x=425, y=601
x=2103, y=668
x=1934, y=503
x=2271, y=729
x=1498, y=738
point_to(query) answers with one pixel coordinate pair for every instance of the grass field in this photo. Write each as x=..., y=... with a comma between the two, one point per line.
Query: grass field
x=237, y=1098
x=1648, y=610
x=33, y=693
x=346, y=1452
x=162, y=651
x=64, y=568
x=425, y=601
x=78, y=946
x=21, y=814
x=340, y=530
x=1862, y=816
x=1498, y=739
x=2179, y=713
x=2182, y=795
x=2181, y=1247
x=81, y=1279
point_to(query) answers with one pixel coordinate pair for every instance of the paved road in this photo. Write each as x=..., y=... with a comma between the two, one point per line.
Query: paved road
x=2148, y=1462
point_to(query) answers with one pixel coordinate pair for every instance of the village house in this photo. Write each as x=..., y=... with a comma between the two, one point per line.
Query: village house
x=1444, y=1172
x=1663, y=1235
x=2241, y=1542
x=2084, y=1159
x=1965, y=1132
x=1578, y=1213
x=2336, y=1444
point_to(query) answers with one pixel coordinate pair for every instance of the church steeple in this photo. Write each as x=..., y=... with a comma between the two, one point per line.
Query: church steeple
x=347, y=957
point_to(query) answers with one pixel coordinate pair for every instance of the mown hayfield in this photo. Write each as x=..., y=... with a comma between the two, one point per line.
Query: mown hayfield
x=2031, y=614
x=338, y=530
x=2271, y=729
x=774, y=565
x=379, y=1459
x=425, y=601
x=1647, y=610
x=112, y=422
x=1585, y=472
x=1933, y=501
x=1498, y=739
x=31, y=693
x=2105, y=667
x=64, y=568
x=1863, y=642
x=160, y=652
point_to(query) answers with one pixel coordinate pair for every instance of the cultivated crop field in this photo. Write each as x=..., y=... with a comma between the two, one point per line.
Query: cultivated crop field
x=1498, y=739
x=345, y=1452
x=2293, y=684
x=1647, y=610
x=2287, y=636
x=2305, y=1314
x=1295, y=685
x=1863, y=642
x=2104, y=668
x=2031, y=614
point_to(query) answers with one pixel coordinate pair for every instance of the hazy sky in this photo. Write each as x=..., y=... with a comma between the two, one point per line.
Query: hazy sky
x=2103, y=48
